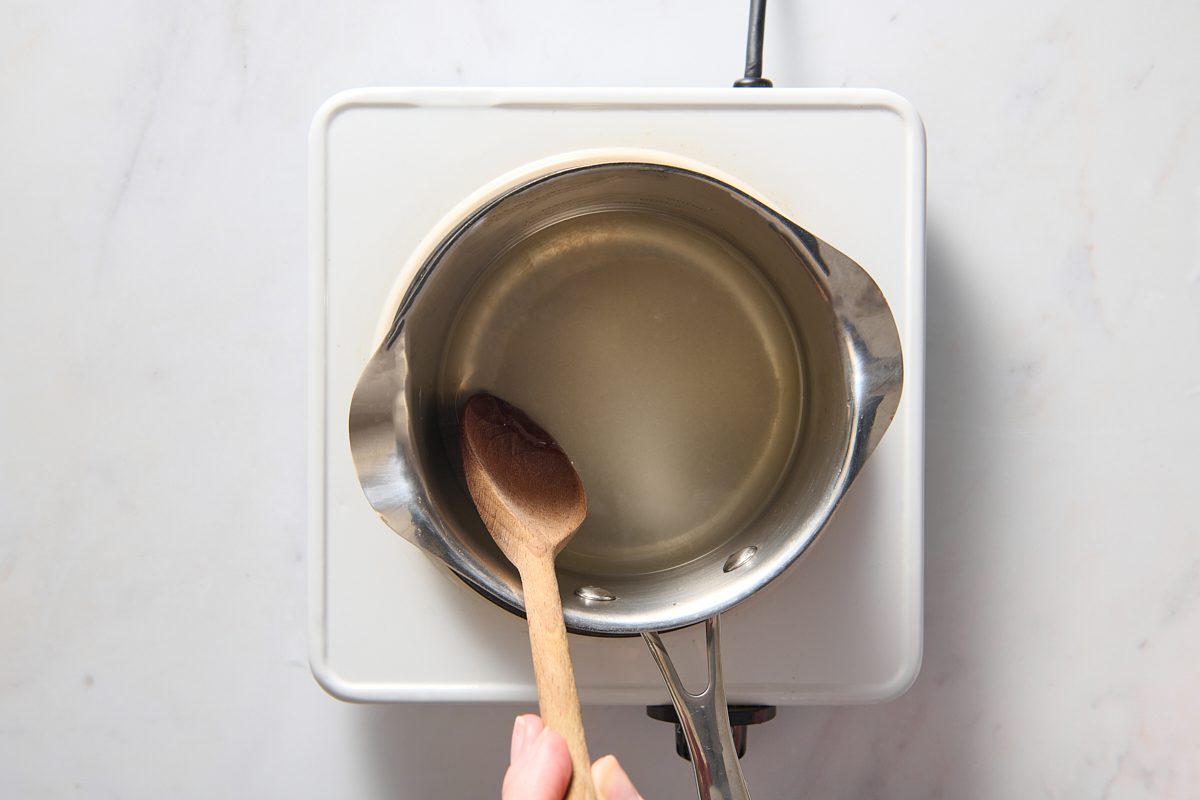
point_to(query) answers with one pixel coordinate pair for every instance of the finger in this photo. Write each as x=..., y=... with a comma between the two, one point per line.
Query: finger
x=611, y=781
x=541, y=772
x=526, y=727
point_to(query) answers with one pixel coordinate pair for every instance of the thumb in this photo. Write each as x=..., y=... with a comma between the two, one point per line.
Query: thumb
x=541, y=771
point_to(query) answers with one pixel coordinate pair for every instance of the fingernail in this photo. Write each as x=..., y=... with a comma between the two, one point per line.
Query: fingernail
x=537, y=749
x=518, y=739
x=611, y=780
x=544, y=745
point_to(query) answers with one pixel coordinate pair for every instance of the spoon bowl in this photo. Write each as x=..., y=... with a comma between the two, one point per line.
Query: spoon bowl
x=532, y=501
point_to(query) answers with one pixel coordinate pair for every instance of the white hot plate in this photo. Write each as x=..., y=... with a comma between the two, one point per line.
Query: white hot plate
x=386, y=623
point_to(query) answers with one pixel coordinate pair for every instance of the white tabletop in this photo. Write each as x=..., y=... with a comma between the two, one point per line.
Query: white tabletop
x=152, y=454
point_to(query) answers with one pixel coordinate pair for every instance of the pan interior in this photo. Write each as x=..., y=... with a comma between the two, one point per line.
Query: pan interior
x=659, y=357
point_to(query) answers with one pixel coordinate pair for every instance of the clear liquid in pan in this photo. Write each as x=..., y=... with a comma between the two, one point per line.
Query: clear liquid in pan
x=659, y=359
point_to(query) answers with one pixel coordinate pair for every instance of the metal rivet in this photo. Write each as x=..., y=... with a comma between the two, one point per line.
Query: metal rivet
x=740, y=558
x=595, y=593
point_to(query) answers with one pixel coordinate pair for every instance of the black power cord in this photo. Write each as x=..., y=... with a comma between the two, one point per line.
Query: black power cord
x=754, y=47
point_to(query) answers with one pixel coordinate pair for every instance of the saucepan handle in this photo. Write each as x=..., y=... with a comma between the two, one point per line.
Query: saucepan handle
x=704, y=718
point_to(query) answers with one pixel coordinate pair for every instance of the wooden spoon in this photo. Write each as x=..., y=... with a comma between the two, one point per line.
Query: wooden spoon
x=532, y=501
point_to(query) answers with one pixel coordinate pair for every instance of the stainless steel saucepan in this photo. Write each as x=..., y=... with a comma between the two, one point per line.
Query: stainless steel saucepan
x=718, y=373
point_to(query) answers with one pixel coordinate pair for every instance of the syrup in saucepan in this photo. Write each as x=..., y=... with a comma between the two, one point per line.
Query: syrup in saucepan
x=663, y=363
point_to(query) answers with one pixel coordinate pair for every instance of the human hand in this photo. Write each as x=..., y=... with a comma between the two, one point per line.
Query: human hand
x=540, y=767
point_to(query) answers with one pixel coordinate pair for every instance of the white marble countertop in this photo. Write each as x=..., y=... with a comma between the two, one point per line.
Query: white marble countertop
x=152, y=416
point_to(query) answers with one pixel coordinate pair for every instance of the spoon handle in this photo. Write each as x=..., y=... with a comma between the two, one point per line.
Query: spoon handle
x=558, y=698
